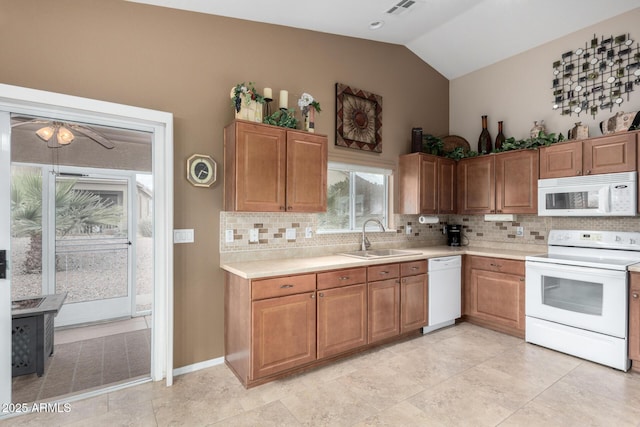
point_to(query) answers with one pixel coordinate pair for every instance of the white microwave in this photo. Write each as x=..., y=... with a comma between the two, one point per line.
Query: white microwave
x=613, y=194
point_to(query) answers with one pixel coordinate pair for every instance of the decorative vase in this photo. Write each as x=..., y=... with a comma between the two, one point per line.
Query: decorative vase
x=416, y=140
x=500, y=138
x=484, y=141
x=310, y=120
x=537, y=128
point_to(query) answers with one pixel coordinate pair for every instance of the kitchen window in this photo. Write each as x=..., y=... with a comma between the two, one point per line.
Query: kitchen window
x=355, y=194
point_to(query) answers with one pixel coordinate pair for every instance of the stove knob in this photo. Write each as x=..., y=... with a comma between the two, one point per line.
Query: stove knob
x=618, y=239
x=632, y=241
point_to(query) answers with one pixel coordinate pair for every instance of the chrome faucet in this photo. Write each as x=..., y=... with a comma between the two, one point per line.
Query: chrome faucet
x=365, y=242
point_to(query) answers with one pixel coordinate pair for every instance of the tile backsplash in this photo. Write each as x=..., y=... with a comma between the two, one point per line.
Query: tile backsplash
x=273, y=241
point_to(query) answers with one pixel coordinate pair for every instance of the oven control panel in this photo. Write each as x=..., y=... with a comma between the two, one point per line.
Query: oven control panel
x=596, y=239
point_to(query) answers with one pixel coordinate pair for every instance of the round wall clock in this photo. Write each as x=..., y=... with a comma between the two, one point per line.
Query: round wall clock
x=201, y=170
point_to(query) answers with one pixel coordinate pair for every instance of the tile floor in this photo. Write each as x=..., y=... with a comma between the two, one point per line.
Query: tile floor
x=459, y=376
x=88, y=357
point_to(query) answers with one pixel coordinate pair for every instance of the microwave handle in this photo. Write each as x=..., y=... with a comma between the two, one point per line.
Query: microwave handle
x=605, y=197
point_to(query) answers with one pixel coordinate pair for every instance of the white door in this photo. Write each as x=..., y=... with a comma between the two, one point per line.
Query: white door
x=5, y=279
x=92, y=251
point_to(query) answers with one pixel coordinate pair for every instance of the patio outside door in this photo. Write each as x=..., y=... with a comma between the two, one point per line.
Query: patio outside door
x=93, y=246
x=5, y=238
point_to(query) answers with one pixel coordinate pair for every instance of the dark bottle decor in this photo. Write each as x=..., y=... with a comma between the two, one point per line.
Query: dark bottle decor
x=484, y=142
x=500, y=138
x=416, y=140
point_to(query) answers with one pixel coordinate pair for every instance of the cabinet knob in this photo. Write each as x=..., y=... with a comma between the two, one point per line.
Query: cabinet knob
x=634, y=295
x=522, y=279
x=281, y=208
x=577, y=172
x=289, y=208
x=588, y=171
x=313, y=295
x=321, y=294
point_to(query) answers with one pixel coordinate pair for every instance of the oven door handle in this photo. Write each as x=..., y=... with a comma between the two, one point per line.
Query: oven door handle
x=543, y=268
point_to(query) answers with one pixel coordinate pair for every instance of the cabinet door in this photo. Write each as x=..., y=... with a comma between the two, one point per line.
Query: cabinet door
x=283, y=333
x=517, y=182
x=559, y=160
x=497, y=298
x=610, y=154
x=260, y=168
x=384, y=309
x=634, y=319
x=417, y=184
x=446, y=186
x=428, y=185
x=476, y=185
x=413, y=302
x=342, y=319
x=306, y=172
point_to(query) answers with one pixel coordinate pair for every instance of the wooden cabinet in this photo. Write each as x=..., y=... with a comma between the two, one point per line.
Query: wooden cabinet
x=342, y=311
x=384, y=301
x=495, y=292
x=414, y=288
x=272, y=169
x=427, y=184
x=607, y=154
x=634, y=321
x=499, y=183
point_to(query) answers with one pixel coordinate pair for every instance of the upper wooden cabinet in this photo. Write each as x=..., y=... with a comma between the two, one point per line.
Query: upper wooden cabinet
x=498, y=183
x=427, y=184
x=273, y=169
x=607, y=154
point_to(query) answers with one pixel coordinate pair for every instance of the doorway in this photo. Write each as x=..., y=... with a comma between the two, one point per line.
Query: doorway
x=45, y=104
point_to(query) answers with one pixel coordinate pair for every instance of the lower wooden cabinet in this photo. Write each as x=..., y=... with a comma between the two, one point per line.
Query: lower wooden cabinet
x=414, y=294
x=342, y=319
x=495, y=292
x=384, y=306
x=634, y=321
x=283, y=333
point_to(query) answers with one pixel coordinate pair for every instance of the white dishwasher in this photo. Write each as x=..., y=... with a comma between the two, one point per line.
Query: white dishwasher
x=445, y=292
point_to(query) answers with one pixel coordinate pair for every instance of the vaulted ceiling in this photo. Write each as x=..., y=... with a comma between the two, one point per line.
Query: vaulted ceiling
x=455, y=37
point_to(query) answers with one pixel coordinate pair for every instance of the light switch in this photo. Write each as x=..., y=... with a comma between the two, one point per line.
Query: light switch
x=253, y=235
x=183, y=236
x=308, y=232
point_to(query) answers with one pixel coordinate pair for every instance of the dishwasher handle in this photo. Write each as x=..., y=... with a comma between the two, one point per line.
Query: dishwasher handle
x=445, y=262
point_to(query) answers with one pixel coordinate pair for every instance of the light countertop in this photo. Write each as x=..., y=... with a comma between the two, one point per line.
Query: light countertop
x=287, y=266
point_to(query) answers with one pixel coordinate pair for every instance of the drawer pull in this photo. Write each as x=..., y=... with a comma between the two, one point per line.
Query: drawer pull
x=495, y=265
x=286, y=286
x=344, y=278
x=414, y=268
x=384, y=272
x=634, y=295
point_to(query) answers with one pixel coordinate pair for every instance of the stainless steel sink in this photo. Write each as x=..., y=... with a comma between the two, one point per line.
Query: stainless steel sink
x=379, y=253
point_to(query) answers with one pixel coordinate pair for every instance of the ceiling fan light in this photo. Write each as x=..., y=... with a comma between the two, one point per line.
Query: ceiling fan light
x=46, y=133
x=65, y=136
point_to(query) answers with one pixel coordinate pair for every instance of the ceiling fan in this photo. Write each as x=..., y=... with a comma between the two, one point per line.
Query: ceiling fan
x=59, y=134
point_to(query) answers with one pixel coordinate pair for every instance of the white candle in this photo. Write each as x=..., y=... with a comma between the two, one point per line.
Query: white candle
x=284, y=99
x=268, y=93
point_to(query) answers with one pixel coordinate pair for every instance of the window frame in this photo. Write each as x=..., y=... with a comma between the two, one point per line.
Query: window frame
x=352, y=169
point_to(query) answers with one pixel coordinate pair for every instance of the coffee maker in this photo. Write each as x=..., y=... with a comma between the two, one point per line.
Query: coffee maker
x=454, y=234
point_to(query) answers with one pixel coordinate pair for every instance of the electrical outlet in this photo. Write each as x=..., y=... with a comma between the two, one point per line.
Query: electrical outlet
x=291, y=234
x=253, y=235
x=228, y=236
x=408, y=229
x=520, y=231
x=308, y=232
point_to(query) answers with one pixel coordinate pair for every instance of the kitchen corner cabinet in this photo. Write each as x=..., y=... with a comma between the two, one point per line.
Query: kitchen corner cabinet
x=499, y=183
x=274, y=169
x=634, y=321
x=495, y=292
x=607, y=154
x=427, y=184
x=342, y=311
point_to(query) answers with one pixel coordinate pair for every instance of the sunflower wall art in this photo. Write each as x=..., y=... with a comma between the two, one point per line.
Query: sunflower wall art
x=358, y=119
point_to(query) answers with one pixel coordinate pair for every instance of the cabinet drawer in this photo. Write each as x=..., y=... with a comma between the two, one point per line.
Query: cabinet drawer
x=382, y=272
x=279, y=286
x=413, y=268
x=334, y=279
x=497, y=264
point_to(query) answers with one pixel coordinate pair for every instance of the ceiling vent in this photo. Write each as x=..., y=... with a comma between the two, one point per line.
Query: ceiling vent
x=400, y=7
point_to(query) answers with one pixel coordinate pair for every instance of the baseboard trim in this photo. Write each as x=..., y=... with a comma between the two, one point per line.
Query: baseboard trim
x=198, y=366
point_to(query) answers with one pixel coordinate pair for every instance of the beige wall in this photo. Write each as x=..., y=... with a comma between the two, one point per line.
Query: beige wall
x=518, y=89
x=186, y=63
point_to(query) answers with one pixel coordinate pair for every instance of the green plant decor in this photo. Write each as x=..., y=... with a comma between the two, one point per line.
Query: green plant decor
x=542, y=140
x=282, y=118
x=247, y=93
